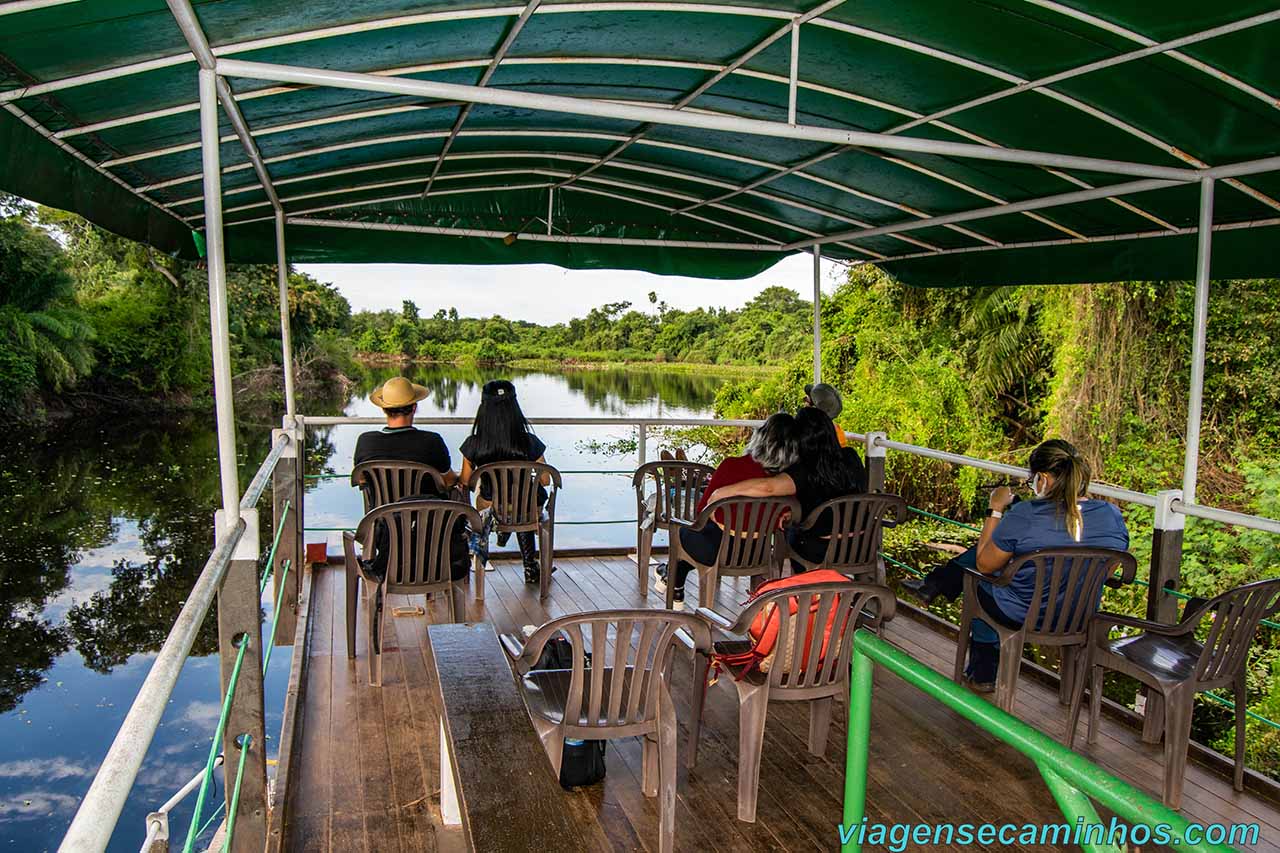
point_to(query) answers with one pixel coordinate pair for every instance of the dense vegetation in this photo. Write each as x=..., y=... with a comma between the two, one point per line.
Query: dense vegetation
x=88, y=319
x=770, y=328
x=990, y=372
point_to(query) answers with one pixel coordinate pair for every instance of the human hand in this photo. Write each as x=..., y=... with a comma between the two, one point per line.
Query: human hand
x=1000, y=499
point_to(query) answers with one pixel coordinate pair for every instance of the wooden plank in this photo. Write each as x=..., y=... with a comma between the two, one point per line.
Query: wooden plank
x=500, y=764
x=293, y=722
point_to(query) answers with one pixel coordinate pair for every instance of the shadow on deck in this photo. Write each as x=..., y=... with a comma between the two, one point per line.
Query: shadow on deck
x=366, y=761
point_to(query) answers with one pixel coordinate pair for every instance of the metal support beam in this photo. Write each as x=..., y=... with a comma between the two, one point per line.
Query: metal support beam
x=1204, y=244
x=286, y=335
x=817, y=314
x=875, y=453
x=218, y=330
x=499, y=54
x=681, y=118
x=185, y=17
x=795, y=72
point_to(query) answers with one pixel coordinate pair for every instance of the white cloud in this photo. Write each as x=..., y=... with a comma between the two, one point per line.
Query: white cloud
x=56, y=767
x=547, y=294
x=36, y=804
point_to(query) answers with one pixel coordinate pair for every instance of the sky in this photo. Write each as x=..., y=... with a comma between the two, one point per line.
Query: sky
x=545, y=294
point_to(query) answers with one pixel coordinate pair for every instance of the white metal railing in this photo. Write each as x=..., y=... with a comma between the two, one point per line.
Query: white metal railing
x=100, y=809
x=1224, y=516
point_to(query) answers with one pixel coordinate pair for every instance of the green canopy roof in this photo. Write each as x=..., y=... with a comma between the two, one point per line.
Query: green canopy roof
x=101, y=117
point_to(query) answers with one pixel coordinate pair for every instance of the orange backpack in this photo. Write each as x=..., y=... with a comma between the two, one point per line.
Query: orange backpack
x=764, y=628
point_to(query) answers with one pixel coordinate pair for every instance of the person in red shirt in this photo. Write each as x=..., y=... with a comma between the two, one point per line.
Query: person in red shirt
x=773, y=447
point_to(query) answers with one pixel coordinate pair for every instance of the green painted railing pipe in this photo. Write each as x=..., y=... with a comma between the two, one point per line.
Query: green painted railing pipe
x=275, y=543
x=193, y=829
x=1074, y=804
x=245, y=742
x=275, y=620
x=1077, y=772
x=855, y=760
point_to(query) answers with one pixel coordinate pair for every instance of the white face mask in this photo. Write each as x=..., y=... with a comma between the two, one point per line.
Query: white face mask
x=1040, y=486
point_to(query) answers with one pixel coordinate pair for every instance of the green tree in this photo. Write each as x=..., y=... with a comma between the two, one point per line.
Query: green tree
x=44, y=337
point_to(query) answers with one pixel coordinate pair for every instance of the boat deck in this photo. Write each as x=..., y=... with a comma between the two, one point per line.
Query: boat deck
x=364, y=773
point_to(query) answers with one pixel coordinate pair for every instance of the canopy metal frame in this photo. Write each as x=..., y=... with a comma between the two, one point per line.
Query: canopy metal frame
x=217, y=65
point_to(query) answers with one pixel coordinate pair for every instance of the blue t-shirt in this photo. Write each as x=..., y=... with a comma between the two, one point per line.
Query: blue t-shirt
x=1031, y=525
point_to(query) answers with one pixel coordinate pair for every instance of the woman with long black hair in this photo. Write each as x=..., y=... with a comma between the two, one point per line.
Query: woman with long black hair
x=824, y=470
x=501, y=433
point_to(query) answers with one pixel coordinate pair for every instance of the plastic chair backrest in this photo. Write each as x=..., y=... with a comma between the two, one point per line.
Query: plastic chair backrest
x=384, y=481
x=680, y=486
x=420, y=539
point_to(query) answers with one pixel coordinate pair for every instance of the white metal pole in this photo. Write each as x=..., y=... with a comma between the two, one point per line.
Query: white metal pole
x=551, y=198
x=1204, y=244
x=286, y=335
x=817, y=314
x=795, y=72
x=218, y=332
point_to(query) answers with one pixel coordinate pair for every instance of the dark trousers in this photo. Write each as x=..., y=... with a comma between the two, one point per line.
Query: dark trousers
x=702, y=545
x=947, y=580
x=806, y=545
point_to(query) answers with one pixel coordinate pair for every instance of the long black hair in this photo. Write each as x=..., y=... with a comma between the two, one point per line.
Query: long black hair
x=832, y=469
x=501, y=431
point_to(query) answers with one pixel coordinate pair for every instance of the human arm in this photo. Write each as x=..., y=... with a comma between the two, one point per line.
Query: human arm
x=464, y=477
x=991, y=557
x=545, y=477
x=757, y=487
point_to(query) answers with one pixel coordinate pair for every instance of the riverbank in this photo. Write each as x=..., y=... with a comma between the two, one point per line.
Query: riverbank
x=380, y=359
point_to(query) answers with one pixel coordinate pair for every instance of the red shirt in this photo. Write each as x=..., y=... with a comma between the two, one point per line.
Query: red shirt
x=732, y=470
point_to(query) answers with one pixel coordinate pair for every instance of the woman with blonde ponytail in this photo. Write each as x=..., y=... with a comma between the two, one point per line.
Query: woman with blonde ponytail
x=1059, y=515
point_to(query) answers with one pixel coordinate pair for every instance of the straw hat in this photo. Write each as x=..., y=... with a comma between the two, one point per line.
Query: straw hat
x=396, y=392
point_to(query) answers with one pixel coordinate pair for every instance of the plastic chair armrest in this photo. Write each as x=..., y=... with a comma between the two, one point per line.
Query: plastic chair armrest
x=1104, y=619
x=716, y=619
x=512, y=646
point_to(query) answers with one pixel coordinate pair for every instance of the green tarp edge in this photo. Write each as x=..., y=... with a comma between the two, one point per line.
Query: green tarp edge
x=255, y=243
x=1240, y=253
x=31, y=167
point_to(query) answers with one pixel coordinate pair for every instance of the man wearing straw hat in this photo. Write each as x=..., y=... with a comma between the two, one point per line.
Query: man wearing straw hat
x=400, y=439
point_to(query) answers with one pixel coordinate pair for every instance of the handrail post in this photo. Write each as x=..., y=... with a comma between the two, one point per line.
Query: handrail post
x=286, y=488
x=641, y=442
x=856, y=752
x=239, y=614
x=1165, y=574
x=875, y=453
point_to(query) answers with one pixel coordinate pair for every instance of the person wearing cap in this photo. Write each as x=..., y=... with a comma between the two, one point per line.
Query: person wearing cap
x=400, y=439
x=827, y=398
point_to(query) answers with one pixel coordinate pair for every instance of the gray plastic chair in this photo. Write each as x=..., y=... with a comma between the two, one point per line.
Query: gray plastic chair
x=1066, y=592
x=678, y=487
x=514, y=490
x=625, y=692
x=799, y=671
x=384, y=481
x=419, y=560
x=753, y=544
x=1176, y=665
x=381, y=482
x=857, y=523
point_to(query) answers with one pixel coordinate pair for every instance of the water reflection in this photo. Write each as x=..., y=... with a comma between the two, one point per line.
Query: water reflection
x=108, y=524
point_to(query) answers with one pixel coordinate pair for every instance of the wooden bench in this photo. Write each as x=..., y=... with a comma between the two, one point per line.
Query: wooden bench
x=495, y=779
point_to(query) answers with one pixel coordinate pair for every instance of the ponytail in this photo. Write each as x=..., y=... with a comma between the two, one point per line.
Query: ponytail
x=1071, y=477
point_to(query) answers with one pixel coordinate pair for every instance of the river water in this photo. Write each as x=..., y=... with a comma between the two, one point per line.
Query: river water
x=108, y=523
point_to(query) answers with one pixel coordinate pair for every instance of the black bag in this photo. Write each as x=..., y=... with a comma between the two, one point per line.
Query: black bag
x=583, y=760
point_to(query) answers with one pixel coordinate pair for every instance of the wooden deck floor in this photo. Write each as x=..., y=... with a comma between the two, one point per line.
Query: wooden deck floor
x=366, y=760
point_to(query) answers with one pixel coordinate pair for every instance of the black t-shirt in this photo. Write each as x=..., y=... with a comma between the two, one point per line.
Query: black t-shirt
x=535, y=451
x=811, y=493
x=407, y=444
